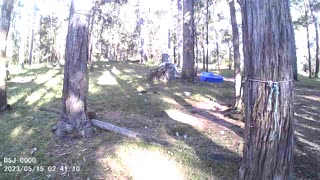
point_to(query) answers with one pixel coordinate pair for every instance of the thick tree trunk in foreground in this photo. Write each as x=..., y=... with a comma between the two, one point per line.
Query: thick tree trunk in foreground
x=6, y=9
x=268, y=56
x=236, y=56
x=188, y=41
x=75, y=84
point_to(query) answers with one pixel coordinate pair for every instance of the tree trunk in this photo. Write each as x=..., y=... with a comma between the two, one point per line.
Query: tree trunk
x=22, y=50
x=268, y=53
x=31, y=47
x=236, y=56
x=218, y=54
x=75, y=84
x=315, y=20
x=308, y=44
x=188, y=41
x=180, y=33
x=207, y=35
x=230, y=56
x=317, y=49
x=5, y=16
x=91, y=39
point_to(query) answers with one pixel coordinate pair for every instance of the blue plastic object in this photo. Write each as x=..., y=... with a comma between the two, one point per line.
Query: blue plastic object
x=210, y=77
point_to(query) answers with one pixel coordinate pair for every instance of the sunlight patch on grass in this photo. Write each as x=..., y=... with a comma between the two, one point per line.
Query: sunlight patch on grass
x=115, y=70
x=16, y=132
x=184, y=118
x=107, y=79
x=145, y=163
x=314, y=98
x=36, y=96
x=53, y=82
x=42, y=78
x=169, y=101
x=29, y=132
x=15, y=98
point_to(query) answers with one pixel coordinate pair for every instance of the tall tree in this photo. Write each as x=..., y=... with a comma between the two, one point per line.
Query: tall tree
x=5, y=16
x=236, y=55
x=188, y=41
x=306, y=11
x=75, y=122
x=207, y=35
x=315, y=22
x=179, y=32
x=268, y=145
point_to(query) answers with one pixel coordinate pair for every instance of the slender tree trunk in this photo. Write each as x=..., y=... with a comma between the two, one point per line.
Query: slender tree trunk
x=5, y=16
x=91, y=39
x=196, y=50
x=230, y=56
x=75, y=122
x=180, y=32
x=236, y=56
x=22, y=51
x=188, y=41
x=268, y=56
x=308, y=43
x=218, y=54
x=317, y=49
x=203, y=57
x=207, y=35
x=31, y=46
x=203, y=48
x=315, y=20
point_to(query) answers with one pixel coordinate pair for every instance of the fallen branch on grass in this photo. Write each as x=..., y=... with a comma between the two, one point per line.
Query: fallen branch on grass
x=110, y=127
x=113, y=128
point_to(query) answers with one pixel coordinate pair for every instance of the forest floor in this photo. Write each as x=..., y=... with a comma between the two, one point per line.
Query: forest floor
x=196, y=140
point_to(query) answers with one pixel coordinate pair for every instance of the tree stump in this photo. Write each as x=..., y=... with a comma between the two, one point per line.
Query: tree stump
x=165, y=71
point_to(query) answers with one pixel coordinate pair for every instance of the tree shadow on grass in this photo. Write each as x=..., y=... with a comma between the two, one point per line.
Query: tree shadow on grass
x=218, y=160
x=307, y=127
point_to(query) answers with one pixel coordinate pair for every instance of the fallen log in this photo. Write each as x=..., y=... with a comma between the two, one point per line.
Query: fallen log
x=114, y=128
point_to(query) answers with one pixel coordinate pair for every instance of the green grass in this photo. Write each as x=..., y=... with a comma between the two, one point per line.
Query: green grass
x=307, y=82
x=119, y=94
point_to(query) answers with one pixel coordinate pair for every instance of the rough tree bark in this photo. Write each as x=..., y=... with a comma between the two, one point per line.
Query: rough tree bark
x=74, y=122
x=236, y=56
x=5, y=16
x=268, y=56
x=188, y=41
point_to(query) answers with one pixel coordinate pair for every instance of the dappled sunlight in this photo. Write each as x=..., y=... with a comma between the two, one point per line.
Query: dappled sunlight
x=140, y=163
x=52, y=83
x=36, y=96
x=146, y=164
x=22, y=79
x=107, y=79
x=16, y=132
x=115, y=70
x=306, y=116
x=42, y=78
x=15, y=98
x=185, y=118
x=169, y=100
x=314, y=98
